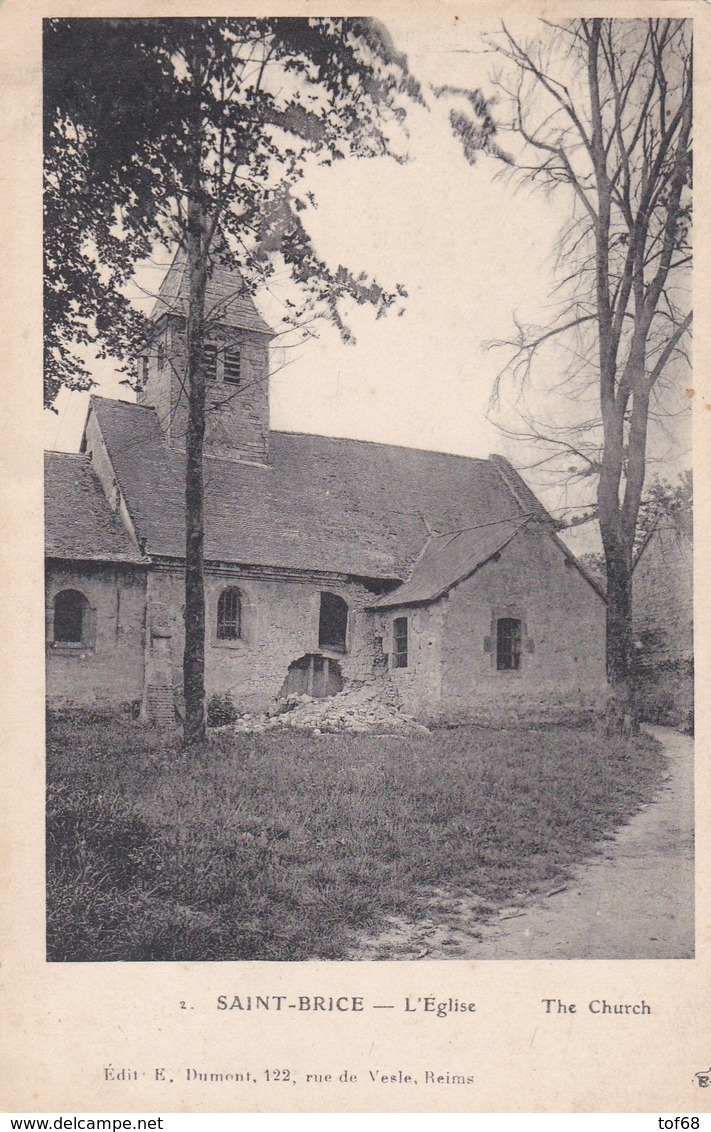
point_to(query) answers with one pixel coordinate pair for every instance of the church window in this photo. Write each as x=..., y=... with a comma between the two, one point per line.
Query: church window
x=71, y=618
x=508, y=644
x=233, y=366
x=209, y=361
x=400, y=642
x=333, y=622
x=160, y=356
x=229, y=615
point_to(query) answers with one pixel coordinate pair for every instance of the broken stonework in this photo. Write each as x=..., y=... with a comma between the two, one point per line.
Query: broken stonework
x=367, y=708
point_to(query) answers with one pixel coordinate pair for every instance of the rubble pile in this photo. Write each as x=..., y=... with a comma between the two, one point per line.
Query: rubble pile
x=368, y=708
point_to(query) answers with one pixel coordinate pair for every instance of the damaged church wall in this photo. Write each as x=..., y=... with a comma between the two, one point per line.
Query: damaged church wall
x=105, y=668
x=279, y=625
x=562, y=628
x=418, y=683
x=135, y=627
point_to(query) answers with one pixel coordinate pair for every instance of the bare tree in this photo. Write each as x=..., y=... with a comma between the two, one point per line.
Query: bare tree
x=602, y=112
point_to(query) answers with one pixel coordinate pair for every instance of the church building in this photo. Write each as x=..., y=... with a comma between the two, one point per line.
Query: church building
x=328, y=561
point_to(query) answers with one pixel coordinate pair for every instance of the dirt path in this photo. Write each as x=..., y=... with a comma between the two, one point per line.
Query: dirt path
x=634, y=901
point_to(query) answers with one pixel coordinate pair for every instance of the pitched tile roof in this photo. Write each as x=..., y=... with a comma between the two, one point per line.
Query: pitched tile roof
x=448, y=559
x=79, y=523
x=225, y=301
x=344, y=506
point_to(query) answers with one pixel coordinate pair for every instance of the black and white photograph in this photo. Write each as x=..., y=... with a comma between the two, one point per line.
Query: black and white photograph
x=354, y=492
x=368, y=489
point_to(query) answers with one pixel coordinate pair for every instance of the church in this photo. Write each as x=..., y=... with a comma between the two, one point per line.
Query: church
x=329, y=562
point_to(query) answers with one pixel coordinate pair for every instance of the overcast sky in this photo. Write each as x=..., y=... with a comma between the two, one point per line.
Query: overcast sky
x=468, y=247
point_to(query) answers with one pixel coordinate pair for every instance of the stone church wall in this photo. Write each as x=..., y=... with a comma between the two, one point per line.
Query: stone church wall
x=419, y=682
x=106, y=668
x=562, y=658
x=280, y=622
x=135, y=627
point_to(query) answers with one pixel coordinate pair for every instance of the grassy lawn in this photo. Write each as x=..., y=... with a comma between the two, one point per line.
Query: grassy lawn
x=280, y=846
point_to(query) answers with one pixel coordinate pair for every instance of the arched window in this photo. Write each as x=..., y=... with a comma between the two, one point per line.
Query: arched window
x=332, y=623
x=71, y=618
x=229, y=615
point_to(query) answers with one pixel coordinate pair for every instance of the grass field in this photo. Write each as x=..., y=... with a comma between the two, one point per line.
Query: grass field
x=281, y=846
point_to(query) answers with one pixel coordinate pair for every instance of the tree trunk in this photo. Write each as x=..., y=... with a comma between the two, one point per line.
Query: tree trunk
x=194, y=655
x=621, y=711
x=618, y=542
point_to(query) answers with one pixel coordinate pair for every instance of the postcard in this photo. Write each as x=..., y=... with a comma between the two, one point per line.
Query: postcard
x=354, y=559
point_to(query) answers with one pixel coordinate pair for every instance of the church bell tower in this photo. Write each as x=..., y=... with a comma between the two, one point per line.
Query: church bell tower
x=236, y=363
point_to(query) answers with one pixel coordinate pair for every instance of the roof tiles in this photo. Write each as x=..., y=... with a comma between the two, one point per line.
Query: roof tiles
x=79, y=524
x=224, y=303
x=344, y=506
x=448, y=559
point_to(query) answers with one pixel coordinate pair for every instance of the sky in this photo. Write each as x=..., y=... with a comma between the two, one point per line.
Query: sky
x=471, y=250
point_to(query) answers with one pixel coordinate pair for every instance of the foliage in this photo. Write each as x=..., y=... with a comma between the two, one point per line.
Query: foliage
x=91, y=138
x=221, y=710
x=666, y=690
x=284, y=847
x=142, y=114
x=197, y=132
x=665, y=503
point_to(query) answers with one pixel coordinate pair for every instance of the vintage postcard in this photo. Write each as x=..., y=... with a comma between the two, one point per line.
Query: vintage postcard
x=354, y=558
